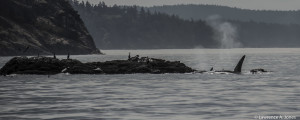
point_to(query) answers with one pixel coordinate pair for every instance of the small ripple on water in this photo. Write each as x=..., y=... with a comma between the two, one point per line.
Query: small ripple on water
x=162, y=96
x=159, y=98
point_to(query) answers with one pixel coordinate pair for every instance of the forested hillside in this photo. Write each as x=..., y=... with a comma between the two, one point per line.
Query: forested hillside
x=263, y=35
x=197, y=12
x=130, y=27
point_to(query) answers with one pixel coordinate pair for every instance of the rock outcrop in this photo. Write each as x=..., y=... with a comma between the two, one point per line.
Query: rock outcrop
x=258, y=71
x=48, y=65
x=29, y=27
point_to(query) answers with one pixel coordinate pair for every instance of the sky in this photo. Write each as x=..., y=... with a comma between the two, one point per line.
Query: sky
x=244, y=4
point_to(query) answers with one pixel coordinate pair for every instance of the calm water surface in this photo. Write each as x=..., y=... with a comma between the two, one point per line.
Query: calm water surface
x=161, y=96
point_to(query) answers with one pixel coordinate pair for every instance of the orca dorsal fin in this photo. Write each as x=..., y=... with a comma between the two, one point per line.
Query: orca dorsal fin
x=238, y=67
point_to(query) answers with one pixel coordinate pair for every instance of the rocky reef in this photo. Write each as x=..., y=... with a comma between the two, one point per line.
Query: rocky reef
x=29, y=27
x=52, y=65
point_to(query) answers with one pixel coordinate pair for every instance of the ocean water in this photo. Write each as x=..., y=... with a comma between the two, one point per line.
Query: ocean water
x=192, y=96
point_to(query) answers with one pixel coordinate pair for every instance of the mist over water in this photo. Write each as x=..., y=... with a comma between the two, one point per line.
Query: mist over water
x=225, y=32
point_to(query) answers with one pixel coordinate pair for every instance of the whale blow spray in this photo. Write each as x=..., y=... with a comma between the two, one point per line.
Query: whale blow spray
x=225, y=32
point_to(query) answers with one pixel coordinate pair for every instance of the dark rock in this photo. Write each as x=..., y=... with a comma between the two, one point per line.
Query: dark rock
x=70, y=62
x=49, y=65
x=259, y=70
x=34, y=65
x=83, y=69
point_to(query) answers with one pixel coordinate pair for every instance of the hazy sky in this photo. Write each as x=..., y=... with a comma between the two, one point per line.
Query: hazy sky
x=245, y=4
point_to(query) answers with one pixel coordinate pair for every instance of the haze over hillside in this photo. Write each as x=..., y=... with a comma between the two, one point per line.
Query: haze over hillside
x=132, y=27
x=197, y=12
x=244, y=4
x=128, y=27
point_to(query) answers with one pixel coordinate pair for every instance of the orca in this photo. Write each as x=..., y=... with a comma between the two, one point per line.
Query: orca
x=237, y=69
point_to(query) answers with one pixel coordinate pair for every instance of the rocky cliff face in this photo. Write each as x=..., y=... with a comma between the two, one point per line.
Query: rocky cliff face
x=29, y=27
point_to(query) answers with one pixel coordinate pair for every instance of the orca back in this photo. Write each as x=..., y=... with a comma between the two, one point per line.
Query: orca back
x=238, y=67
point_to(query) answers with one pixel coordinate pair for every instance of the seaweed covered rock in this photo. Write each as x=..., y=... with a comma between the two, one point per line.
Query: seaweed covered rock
x=33, y=65
x=48, y=65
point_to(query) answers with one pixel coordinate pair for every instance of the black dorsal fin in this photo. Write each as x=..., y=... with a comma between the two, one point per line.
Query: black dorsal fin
x=238, y=67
